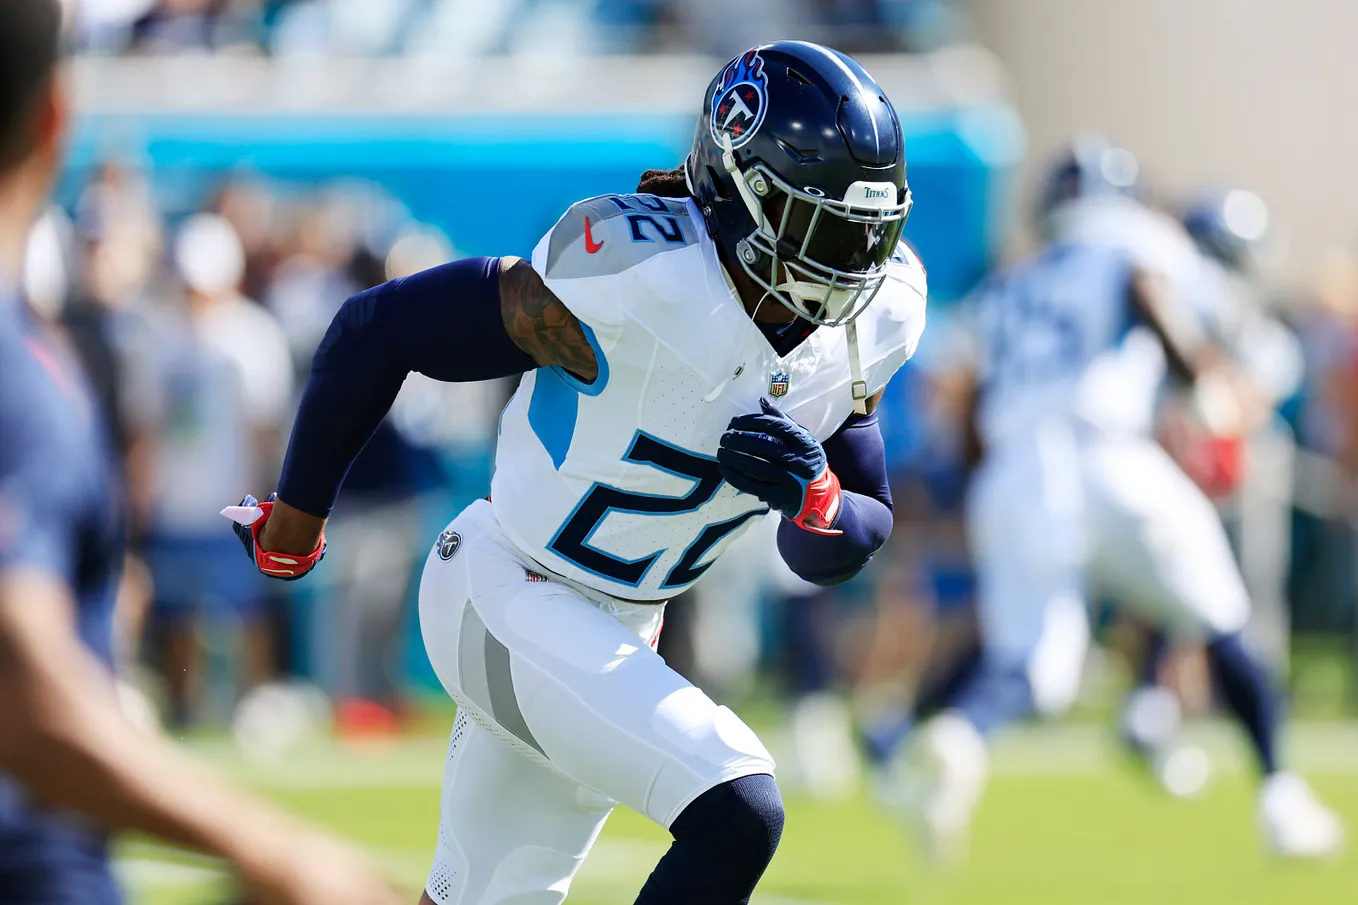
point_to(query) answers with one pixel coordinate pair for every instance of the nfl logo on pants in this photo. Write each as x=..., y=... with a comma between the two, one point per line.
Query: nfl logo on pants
x=778, y=384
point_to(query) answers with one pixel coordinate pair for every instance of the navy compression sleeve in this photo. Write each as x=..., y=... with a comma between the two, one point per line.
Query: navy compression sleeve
x=443, y=322
x=856, y=454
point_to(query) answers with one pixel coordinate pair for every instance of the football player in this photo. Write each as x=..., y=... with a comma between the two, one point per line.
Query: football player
x=1230, y=229
x=65, y=744
x=1073, y=491
x=693, y=356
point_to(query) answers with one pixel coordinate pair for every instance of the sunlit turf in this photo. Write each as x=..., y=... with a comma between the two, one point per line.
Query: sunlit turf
x=1065, y=821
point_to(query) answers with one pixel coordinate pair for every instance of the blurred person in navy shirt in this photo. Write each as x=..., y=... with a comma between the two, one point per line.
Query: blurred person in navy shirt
x=65, y=746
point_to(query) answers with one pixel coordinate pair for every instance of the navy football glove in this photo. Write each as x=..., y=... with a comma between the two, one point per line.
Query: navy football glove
x=776, y=459
x=249, y=518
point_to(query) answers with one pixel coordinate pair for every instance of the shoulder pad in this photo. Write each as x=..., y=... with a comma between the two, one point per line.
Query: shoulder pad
x=906, y=267
x=613, y=233
x=890, y=328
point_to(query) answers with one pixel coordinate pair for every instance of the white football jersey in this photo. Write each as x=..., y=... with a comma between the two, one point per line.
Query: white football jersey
x=1057, y=334
x=614, y=483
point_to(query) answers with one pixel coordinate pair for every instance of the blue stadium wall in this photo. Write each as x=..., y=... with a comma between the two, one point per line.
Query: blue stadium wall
x=495, y=184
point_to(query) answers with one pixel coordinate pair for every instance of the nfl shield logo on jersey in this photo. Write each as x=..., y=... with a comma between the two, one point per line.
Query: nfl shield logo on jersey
x=448, y=543
x=778, y=384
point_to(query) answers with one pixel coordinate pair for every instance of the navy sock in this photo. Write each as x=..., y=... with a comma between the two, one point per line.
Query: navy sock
x=1153, y=657
x=810, y=665
x=722, y=843
x=937, y=695
x=881, y=739
x=1245, y=688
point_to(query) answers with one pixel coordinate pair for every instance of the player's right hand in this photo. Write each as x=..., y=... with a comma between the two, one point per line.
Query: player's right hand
x=249, y=518
x=314, y=869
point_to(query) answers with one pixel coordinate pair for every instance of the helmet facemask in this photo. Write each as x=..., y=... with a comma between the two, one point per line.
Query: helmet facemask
x=824, y=259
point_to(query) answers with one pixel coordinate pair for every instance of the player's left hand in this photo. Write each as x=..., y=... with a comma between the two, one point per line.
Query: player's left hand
x=776, y=459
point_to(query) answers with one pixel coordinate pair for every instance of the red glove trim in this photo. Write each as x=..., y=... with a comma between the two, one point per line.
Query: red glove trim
x=286, y=565
x=820, y=505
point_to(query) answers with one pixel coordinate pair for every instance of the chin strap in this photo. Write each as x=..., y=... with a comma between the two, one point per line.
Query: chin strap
x=728, y=161
x=857, y=386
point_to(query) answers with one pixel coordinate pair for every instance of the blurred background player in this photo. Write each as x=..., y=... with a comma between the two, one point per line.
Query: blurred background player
x=67, y=748
x=1239, y=472
x=1072, y=492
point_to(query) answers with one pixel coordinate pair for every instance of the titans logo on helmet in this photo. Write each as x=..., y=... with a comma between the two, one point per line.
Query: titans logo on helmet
x=739, y=103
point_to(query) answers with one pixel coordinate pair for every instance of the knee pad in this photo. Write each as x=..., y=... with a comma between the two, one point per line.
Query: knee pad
x=742, y=817
x=723, y=841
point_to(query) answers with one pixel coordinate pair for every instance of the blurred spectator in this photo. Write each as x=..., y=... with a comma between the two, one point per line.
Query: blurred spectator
x=312, y=278
x=344, y=27
x=226, y=385
x=253, y=211
x=105, y=26
x=374, y=531
x=178, y=26
x=196, y=381
x=293, y=28
x=1328, y=327
x=168, y=26
x=1322, y=587
x=119, y=248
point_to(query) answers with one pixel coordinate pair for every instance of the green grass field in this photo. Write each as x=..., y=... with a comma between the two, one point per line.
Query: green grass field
x=1066, y=822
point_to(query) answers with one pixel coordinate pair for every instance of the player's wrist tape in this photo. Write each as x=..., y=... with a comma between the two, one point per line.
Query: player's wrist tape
x=282, y=565
x=820, y=504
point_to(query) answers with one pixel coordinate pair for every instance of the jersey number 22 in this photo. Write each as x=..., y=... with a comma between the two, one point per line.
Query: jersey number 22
x=572, y=540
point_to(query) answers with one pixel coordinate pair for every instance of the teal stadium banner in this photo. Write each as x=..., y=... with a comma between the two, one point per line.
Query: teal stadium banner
x=495, y=183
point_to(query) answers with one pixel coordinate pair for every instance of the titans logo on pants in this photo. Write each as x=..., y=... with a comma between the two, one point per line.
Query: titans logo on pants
x=740, y=100
x=448, y=543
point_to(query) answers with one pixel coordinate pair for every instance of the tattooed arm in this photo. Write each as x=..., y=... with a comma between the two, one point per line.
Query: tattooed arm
x=473, y=319
x=540, y=324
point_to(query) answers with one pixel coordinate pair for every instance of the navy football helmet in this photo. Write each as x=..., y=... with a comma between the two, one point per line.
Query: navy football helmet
x=1089, y=166
x=798, y=165
x=1228, y=226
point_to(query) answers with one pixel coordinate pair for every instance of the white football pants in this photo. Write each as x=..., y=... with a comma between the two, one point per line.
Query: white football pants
x=564, y=710
x=1053, y=516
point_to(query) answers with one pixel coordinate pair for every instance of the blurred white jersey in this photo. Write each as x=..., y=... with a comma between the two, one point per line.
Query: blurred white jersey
x=613, y=483
x=1057, y=334
x=1074, y=492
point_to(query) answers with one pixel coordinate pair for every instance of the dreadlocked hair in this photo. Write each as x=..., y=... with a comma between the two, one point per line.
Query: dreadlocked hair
x=664, y=183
